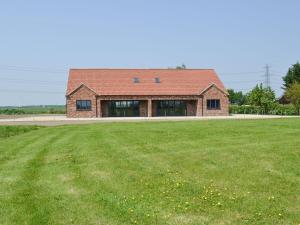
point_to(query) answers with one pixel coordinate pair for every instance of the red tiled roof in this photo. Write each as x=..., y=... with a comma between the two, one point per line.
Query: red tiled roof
x=120, y=81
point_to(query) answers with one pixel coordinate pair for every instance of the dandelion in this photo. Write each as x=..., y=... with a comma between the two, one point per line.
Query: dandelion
x=271, y=198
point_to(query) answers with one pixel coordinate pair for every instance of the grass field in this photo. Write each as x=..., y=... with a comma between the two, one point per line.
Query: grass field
x=193, y=172
x=35, y=109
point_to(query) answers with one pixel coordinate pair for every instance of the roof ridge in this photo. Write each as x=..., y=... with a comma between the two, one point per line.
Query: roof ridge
x=141, y=69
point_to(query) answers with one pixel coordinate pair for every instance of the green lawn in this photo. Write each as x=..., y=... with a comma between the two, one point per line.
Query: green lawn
x=8, y=131
x=194, y=172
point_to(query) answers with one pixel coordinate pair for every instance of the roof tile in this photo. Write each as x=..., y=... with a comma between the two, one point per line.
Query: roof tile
x=120, y=81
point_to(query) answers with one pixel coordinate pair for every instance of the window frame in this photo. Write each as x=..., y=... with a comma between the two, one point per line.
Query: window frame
x=86, y=108
x=217, y=104
x=136, y=80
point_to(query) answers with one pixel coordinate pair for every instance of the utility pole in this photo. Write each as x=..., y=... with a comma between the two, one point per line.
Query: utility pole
x=267, y=76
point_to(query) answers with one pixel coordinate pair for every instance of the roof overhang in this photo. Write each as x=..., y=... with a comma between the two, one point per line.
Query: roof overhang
x=216, y=86
x=80, y=86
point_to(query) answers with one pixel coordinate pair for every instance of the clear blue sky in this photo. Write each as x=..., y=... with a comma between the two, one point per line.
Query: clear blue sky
x=41, y=40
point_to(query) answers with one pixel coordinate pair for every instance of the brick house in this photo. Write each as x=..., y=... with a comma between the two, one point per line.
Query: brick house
x=145, y=93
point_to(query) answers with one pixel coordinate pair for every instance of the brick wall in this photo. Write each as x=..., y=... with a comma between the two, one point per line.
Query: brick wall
x=215, y=93
x=154, y=105
x=191, y=107
x=83, y=93
x=143, y=108
x=196, y=105
x=104, y=108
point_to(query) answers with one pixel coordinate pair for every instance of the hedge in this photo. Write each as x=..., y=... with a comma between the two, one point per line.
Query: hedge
x=277, y=109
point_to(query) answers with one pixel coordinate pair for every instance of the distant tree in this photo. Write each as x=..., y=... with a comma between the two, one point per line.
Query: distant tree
x=262, y=97
x=236, y=98
x=182, y=67
x=292, y=76
x=293, y=94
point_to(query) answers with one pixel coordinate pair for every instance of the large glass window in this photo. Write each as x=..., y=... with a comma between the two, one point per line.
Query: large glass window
x=123, y=108
x=213, y=104
x=83, y=105
x=171, y=108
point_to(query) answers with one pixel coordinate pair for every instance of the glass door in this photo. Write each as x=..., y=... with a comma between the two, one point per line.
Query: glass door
x=124, y=108
x=171, y=108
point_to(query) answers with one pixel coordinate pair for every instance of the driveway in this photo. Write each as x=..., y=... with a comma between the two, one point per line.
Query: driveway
x=54, y=120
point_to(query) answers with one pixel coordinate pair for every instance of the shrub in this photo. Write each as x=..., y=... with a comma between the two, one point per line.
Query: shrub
x=277, y=109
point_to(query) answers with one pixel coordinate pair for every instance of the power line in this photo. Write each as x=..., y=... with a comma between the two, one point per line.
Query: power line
x=33, y=69
x=17, y=80
x=36, y=84
x=240, y=73
x=32, y=91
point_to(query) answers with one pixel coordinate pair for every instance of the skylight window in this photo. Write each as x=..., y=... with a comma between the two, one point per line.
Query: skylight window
x=157, y=80
x=136, y=80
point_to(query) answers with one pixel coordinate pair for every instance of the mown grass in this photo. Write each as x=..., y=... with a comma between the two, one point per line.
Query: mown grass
x=196, y=172
x=8, y=131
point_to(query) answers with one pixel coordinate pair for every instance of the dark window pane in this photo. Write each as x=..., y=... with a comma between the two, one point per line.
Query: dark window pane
x=171, y=108
x=218, y=104
x=83, y=105
x=123, y=108
x=136, y=80
x=213, y=104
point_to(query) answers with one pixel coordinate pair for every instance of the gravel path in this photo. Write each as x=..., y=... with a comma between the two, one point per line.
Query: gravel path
x=55, y=120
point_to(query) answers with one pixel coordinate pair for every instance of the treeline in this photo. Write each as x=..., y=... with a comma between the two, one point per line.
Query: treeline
x=262, y=100
x=53, y=109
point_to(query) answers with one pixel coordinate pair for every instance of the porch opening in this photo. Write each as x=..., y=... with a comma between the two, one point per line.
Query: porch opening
x=123, y=108
x=171, y=108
